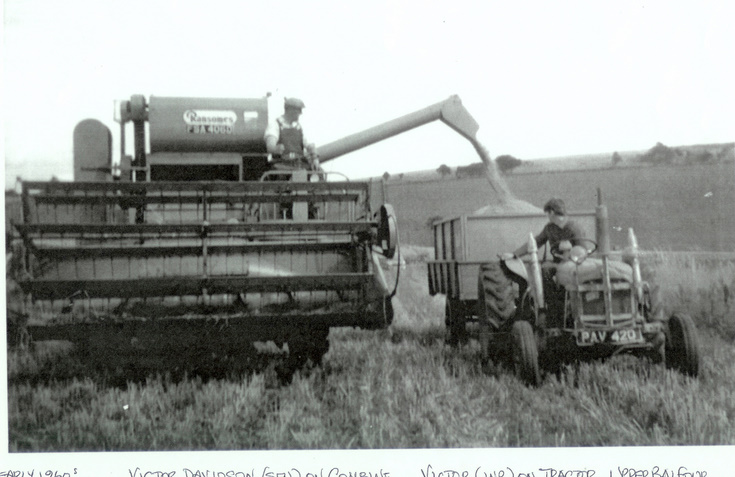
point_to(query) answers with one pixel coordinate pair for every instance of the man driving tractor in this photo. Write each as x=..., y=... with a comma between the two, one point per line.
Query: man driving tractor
x=561, y=234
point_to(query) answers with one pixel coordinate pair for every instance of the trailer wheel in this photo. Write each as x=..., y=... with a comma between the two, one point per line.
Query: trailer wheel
x=495, y=303
x=525, y=353
x=682, y=345
x=456, y=322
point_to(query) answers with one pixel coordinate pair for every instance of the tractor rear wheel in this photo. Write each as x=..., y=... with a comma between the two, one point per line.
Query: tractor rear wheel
x=682, y=345
x=456, y=322
x=496, y=296
x=525, y=353
x=495, y=302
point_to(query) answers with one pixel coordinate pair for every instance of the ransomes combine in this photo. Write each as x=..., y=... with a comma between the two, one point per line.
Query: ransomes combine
x=184, y=251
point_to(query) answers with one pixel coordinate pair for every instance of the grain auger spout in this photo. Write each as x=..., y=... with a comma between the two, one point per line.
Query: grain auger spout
x=450, y=111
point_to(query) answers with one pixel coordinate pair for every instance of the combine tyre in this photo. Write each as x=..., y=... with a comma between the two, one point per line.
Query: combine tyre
x=682, y=346
x=306, y=346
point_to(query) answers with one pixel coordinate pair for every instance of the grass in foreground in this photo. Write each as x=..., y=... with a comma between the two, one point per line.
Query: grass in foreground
x=702, y=286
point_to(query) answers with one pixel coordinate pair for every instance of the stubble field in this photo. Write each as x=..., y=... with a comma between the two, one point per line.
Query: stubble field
x=398, y=388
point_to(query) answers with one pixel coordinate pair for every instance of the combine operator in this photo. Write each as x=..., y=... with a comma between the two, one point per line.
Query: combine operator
x=286, y=142
x=561, y=234
x=290, y=151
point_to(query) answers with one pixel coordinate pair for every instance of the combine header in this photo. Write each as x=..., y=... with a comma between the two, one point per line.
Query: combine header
x=191, y=246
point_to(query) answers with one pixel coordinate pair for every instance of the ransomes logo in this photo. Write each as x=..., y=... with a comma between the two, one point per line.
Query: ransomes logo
x=205, y=121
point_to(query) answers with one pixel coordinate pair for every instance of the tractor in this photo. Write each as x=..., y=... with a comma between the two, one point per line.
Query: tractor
x=537, y=315
x=594, y=306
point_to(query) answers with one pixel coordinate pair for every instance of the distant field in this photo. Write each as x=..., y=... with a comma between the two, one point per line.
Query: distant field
x=670, y=207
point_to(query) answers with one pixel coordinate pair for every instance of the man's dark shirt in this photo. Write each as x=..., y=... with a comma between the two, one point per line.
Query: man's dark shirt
x=553, y=234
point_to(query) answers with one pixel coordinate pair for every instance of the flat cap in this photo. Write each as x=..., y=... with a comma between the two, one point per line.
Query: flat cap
x=556, y=206
x=293, y=103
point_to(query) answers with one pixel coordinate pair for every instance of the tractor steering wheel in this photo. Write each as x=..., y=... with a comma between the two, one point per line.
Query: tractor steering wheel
x=589, y=245
x=592, y=245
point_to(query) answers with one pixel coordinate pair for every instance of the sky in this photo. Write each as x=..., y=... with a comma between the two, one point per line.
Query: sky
x=542, y=79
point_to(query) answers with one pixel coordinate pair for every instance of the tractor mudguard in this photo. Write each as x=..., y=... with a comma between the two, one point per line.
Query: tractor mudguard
x=517, y=268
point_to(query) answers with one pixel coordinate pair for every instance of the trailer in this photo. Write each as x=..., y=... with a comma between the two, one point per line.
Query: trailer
x=463, y=243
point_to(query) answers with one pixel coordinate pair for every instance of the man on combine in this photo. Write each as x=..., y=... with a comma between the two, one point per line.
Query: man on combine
x=289, y=149
x=285, y=140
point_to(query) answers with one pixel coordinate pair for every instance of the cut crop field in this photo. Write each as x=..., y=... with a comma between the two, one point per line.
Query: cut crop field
x=397, y=388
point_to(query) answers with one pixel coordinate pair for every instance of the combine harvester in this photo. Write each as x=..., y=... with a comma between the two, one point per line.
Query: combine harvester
x=182, y=252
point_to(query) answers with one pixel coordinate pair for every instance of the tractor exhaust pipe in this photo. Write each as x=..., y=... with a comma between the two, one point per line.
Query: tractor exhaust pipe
x=602, y=226
x=634, y=262
x=603, y=246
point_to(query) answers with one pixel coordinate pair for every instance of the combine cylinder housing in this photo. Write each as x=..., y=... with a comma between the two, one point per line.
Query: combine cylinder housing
x=179, y=139
x=207, y=125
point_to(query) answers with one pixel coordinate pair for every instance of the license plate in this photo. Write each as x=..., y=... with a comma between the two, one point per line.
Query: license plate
x=627, y=336
x=632, y=335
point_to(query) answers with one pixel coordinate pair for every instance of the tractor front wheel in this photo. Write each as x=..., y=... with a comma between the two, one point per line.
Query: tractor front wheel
x=682, y=345
x=525, y=353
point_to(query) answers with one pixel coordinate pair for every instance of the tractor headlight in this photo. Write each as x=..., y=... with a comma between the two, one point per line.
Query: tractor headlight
x=578, y=254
